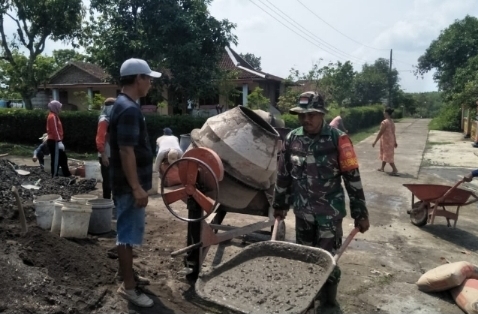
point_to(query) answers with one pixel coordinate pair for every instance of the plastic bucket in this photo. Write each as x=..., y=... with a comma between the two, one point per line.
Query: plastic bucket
x=83, y=198
x=154, y=188
x=75, y=219
x=93, y=170
x=184, y=141
x=56, y=222
x=101, y=215
x=44, y=209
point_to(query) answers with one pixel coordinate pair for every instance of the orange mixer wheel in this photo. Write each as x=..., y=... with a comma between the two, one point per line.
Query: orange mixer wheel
x=197, y=162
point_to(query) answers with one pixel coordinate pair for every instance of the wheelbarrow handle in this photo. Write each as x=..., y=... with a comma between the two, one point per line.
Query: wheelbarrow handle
x=346, y=243
x=441, y=199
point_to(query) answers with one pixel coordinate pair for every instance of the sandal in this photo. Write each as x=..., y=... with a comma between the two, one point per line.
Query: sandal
x=394, y=174
x=380, y=170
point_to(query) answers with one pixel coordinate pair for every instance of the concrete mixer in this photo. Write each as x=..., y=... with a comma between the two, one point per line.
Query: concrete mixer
x=230, y=167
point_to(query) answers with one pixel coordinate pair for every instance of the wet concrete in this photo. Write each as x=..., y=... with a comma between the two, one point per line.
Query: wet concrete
x=268, y=277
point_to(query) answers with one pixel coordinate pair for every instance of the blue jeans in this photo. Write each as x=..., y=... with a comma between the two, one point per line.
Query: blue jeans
x=130, y=221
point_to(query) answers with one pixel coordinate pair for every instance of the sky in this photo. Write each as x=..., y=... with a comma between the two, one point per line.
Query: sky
x=298, y=33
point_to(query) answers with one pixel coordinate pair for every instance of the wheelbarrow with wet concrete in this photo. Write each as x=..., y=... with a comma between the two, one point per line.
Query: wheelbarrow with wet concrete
x=270, y=277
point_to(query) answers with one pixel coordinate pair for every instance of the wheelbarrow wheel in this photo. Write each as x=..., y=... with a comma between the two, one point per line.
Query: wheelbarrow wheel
x=419, y=214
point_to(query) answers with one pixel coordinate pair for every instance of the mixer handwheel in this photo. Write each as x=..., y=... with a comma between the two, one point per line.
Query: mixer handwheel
x=190, y=170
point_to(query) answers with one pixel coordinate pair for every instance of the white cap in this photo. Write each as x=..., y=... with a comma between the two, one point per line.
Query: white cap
x=137, y=66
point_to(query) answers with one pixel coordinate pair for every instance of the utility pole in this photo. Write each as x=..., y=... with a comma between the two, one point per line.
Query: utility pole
x=390, y=81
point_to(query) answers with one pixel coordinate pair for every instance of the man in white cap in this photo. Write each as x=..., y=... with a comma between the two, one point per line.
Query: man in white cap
x=41, y=151
x=131, y=172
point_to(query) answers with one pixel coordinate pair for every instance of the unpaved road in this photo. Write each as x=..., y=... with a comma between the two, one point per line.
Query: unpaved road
x=378, y=270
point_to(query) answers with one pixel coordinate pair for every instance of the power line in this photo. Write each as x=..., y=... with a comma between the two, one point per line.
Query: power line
x=381, y=49
x=312, y=34
x=339, y=54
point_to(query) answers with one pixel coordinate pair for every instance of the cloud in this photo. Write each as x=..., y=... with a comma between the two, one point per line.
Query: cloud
x=416, y=30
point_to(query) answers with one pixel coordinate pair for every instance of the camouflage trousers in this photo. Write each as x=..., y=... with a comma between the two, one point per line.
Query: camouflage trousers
x=322, y=232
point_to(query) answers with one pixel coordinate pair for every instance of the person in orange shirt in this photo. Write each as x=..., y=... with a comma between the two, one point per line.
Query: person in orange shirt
x=54, y=130
x=103, y=146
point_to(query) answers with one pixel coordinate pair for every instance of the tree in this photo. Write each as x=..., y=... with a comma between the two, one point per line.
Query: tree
x=257, y=100
x=20, y=79
x=63, y=56
x=288, y=100
x=180, y=36
x=450, y=52
x=372, y=83
x=36, y=20
x=253, y=61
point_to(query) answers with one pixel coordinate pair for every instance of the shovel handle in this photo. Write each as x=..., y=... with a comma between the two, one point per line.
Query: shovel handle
x=276, y=227
x=345, y=244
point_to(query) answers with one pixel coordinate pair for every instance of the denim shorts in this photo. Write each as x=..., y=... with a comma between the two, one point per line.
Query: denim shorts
x=130, y=221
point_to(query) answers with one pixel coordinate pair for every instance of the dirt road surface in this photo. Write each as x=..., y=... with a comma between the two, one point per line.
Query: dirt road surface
x=378, y=270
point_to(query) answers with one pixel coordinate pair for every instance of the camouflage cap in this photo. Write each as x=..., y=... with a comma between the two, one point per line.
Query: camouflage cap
x=309, y=102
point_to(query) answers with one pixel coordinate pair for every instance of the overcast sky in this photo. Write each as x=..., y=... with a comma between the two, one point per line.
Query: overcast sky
x=360, y=31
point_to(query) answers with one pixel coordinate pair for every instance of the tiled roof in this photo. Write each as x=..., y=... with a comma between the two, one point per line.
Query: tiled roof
x=76, y=72
x=92, y=69
x=227, y=63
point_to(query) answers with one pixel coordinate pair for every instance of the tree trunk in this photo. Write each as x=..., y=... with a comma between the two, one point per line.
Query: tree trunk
x=27, y=100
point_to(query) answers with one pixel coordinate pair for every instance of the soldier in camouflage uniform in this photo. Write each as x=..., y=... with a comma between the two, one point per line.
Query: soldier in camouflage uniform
x=314, y=160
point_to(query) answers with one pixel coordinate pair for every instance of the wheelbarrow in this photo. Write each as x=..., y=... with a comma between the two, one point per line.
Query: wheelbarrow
x=270, y=277
x=433, y=200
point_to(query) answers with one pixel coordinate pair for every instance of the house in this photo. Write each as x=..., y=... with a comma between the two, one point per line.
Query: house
x=246, y=81
x=73, y=83
x=77, y=80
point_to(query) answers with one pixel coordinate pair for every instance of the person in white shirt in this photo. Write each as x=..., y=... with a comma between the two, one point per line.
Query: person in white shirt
x=168, y=147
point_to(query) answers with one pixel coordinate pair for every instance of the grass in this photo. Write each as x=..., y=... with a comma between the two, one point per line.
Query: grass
x=364, y=133
x=27, y=151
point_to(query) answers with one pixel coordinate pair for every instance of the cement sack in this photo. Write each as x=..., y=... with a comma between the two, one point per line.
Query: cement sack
x=172, y=177
x=466, y=296
x=446, y=276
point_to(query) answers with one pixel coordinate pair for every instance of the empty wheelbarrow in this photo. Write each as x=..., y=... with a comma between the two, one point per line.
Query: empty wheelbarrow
x=434, y=200
x=270, y=277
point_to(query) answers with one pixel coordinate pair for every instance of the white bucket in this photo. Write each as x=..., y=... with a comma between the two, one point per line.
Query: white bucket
x=47, y=167
x=101, y=215
x=75, y=218
x=93, y=170
x=56, y=223
x=154, y=189
x=83, y=198
x=44, y=209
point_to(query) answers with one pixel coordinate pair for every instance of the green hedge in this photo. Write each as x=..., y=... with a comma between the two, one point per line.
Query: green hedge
x=25, y=127
x=355, y=118
x=448, y=119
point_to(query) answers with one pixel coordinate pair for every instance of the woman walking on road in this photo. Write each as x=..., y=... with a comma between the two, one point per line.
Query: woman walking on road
x=388, y=142
x=54, y=130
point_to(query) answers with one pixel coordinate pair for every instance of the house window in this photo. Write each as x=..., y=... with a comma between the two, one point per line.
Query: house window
x=209, y=101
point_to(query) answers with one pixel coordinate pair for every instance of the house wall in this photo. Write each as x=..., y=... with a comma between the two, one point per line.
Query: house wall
x=80, y=101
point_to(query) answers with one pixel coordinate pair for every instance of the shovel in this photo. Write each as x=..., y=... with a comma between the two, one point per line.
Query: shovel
x=19, y=171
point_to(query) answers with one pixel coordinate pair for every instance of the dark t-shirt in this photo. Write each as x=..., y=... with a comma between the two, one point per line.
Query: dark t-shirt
x=128, y=128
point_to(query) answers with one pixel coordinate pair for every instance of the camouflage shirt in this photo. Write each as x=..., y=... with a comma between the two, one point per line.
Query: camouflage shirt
x=309, y=177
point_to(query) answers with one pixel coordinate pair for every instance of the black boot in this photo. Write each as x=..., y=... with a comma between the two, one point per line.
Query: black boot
x=330, y=294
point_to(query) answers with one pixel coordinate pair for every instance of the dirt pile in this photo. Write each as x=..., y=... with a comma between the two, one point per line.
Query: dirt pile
x=48, y=274
x=48, y=185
